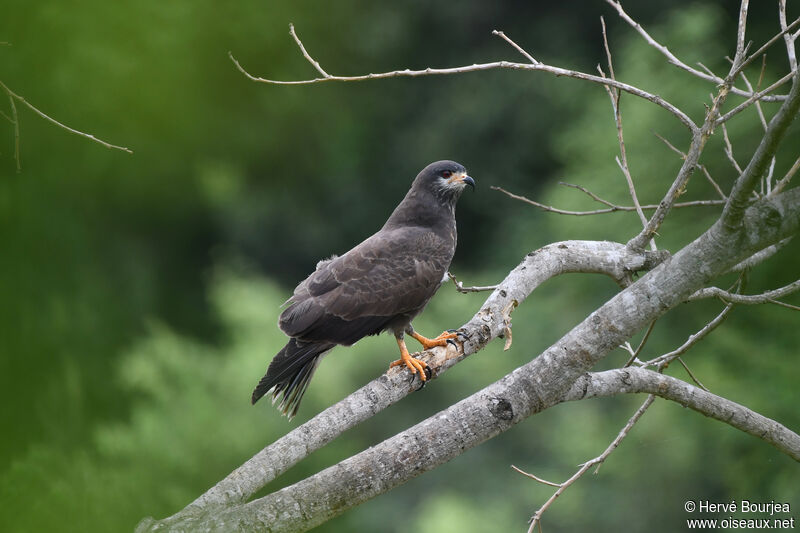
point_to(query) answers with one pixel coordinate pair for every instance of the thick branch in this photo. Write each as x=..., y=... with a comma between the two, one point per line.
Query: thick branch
x=640, y=380
x=734, y=210
x=608, y=258
x=529, y=389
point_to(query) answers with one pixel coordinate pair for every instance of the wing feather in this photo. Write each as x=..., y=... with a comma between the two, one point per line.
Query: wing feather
x=392, y=273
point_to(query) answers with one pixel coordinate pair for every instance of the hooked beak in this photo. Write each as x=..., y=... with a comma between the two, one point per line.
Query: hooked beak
x=462, y=177
x=469, y=181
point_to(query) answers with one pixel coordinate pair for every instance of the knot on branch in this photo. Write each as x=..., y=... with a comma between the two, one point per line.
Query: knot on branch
x=501, y=408
x=654, y=258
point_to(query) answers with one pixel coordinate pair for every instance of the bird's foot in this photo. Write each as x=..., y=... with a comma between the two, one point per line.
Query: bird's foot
x=441, y=340
x=413, y=364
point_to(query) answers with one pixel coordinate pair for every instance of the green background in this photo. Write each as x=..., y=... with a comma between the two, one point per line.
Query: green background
x=140, y=292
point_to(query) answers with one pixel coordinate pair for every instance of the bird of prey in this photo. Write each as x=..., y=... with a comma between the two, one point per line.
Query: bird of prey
x=380, y=285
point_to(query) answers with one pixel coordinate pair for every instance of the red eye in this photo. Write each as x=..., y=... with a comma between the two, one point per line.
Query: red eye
x=446, y=173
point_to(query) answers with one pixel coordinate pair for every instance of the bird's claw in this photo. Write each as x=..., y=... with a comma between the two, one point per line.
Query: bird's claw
x=461, y=335
x=428, y=375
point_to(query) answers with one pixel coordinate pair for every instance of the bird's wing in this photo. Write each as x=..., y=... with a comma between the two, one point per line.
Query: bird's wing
x=391, y=273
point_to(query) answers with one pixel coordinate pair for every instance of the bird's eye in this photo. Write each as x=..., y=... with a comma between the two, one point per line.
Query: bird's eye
x=446, y=173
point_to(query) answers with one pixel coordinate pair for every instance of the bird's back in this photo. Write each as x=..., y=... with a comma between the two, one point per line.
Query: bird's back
x=394, y=272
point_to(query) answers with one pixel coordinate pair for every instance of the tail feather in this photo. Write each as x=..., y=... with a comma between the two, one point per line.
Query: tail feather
x=289, y=373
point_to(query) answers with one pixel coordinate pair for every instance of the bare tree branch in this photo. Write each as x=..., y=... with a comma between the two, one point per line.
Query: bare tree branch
x=708, y=76
x=734, y=209
x=622, y=160
x=760, y=256
x=699, y=139
x=464, y=290
x=612, y=209
x=640, y=380
x=701, y=167
x=310, y=59
x=748, y=299
x=787, y=37
x=747, y=231
x=531, y=388
x=516, y=46
x=729, y=150
x=663, y=360
x=537, y=516
x=12, y=97
x=612, y=259
x=785, y=180
x=756, y=97
x=537, y=66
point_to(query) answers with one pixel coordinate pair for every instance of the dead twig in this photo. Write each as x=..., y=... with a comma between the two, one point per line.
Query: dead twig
x=14, y=97
x=612, y=209
x=462, y=289
x=597, y=461
x=535, y=66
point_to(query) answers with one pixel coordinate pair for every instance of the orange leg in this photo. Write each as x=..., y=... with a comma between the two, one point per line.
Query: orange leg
x=441, y=340
x=412, y=363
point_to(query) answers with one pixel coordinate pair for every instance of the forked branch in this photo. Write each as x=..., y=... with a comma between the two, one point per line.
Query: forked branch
x=14, y=119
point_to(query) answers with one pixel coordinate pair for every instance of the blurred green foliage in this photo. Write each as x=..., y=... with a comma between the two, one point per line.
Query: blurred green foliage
x=141, y=291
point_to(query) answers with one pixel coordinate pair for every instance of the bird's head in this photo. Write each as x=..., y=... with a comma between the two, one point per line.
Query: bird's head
x=446, y=179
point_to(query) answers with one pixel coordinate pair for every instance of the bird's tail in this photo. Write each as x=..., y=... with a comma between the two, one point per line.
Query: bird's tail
x=289, y=373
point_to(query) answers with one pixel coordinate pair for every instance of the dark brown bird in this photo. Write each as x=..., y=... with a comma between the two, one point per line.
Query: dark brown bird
x=380, y=285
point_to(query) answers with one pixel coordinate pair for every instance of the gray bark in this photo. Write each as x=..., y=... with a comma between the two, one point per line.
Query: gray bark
x=609, y=258
x=539, y=384
x=637, y=380
x=558, y=374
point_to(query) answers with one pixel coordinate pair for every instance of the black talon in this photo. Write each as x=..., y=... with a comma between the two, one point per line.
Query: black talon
x=451, y=341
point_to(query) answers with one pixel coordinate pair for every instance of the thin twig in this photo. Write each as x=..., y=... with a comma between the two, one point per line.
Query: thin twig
x=517, y=47
x=768, y=178
x=462, y=289
x=788, y=39
x=680, y=64
x=536, y=478
x=784, y=304
x=714, y=184
x=691, y=375
x=622, y=160
x=693, y=339
x=670, y=145
x=760, y=256
x=760, y=111
x=310, y=59
x=785, y=179
x=699, y=139
x=747, y=299
x=537, y=516
x=13, y=96
x=756, y=96
x=764, y=47
x=706, y=173
x=729, y=150
x=15, y=121
x=612, y=209
x=557, y=71
x=740, y=34
x=635, y=354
